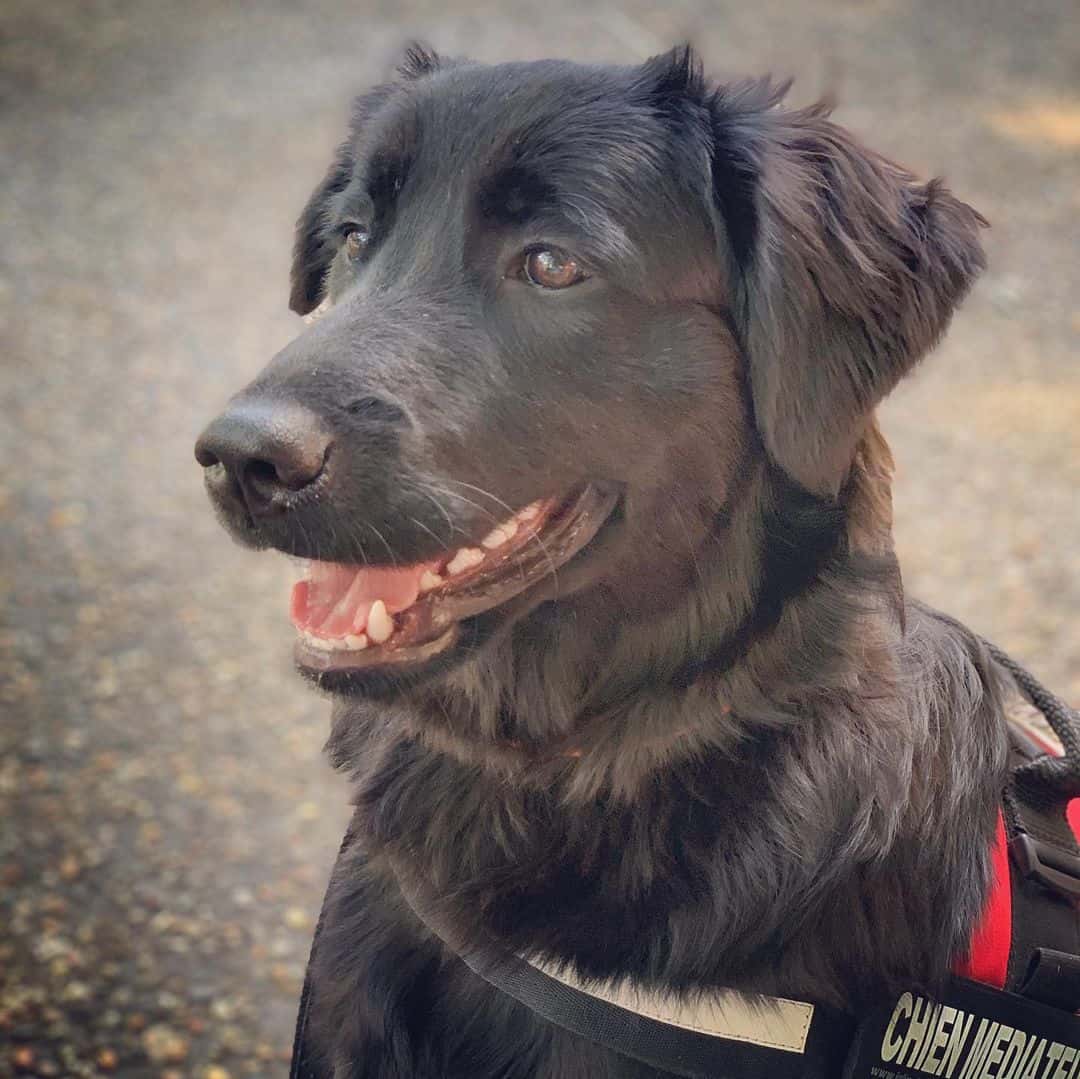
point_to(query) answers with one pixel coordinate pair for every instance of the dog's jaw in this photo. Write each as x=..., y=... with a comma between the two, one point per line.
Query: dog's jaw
x=355, y=619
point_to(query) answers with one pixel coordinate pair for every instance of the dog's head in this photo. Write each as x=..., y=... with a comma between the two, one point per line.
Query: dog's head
x=560, y=310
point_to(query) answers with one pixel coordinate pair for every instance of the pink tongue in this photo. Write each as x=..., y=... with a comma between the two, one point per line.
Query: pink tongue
x=335, y=600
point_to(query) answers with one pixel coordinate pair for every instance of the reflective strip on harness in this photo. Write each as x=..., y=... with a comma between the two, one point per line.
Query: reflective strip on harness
x=774, y=1022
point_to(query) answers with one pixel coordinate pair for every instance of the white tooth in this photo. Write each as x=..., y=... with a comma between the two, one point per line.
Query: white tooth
x=429, y=581
x=529, y=512
x=355, y=642
x=499, y=535
x=465, y=559
x=379, y=623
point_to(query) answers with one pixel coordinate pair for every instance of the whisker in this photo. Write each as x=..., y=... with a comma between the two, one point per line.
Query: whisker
x=533, y=534
x=475, y=506
x=420, y=524
x=389, y=549
x=469, y=501
x=487, y=494
x=363, y=551
x=441, y=508
x=353, y=535
x=316, y=547
x=305, y=537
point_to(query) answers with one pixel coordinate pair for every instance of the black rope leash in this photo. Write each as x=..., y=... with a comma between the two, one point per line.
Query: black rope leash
x=1047, y=778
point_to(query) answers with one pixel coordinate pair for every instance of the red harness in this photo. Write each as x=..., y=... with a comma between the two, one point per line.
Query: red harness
x=991, y=943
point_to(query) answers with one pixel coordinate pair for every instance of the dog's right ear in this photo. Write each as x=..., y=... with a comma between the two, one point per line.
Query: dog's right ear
x=843, y=269
x=315, y=246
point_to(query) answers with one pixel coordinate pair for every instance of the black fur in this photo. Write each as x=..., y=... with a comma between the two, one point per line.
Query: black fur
x=718, y=747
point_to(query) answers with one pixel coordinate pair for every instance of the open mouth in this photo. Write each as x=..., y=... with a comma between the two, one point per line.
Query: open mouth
x=351, y=618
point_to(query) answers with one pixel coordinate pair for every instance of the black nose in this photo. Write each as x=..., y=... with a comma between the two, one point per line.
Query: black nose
x=266, y=451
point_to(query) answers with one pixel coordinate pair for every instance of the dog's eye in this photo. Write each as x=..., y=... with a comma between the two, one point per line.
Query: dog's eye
x=356, y=241
x=551, y=267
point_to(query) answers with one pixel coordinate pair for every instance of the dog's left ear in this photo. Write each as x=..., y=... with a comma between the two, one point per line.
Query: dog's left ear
x=315, y=246
x=844, y=272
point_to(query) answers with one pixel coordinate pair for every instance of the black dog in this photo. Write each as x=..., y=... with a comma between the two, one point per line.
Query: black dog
x=584, y=451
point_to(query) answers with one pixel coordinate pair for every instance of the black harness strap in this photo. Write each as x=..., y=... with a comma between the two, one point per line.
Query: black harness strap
x=303, y=1064
x=1053, y=979
x=677, y=1050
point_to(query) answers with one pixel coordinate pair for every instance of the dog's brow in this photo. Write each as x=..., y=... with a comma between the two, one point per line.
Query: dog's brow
x=385, y=161
x=385, y=174
x=512, y=194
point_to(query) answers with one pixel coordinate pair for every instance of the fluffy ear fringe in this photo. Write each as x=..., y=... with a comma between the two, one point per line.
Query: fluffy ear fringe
x=313, y=249
x=847, y=270
x=419, y=60
x=673, y=76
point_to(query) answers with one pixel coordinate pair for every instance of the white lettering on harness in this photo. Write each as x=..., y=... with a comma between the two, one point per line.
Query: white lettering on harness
x=938, y=1040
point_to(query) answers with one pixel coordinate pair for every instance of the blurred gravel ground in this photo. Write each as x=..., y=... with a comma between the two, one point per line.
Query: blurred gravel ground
x=167, y=819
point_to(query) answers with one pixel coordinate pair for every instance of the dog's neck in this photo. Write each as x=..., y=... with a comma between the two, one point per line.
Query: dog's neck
x=719, y=829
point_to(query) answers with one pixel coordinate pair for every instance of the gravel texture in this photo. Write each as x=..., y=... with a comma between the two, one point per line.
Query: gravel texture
x=167, y=820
